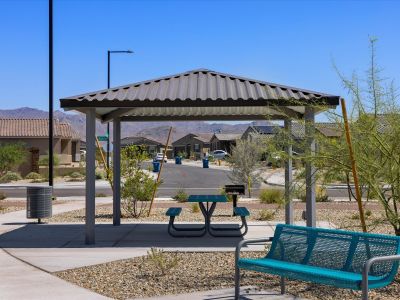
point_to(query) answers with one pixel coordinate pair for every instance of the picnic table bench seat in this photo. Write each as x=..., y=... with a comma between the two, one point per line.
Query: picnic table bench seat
x=174, y=211
x=343, y=259
x=241, y=211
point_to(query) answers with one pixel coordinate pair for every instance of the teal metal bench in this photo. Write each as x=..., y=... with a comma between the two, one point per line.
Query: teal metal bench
x=174, y=212
x=343, y=259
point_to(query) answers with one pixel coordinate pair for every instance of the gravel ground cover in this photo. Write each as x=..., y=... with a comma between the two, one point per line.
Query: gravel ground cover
x=198, y=271
x=140, y=277
x=7, y=206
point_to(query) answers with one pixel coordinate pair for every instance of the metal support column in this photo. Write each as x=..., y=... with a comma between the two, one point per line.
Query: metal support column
x=117, y=172
x=310, y=169
x=90, y=175
x=288, y=176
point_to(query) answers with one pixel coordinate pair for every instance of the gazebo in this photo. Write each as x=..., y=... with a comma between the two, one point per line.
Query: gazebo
x=196, y=95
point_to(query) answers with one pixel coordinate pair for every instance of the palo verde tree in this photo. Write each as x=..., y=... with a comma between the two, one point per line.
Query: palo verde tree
x=374, y=122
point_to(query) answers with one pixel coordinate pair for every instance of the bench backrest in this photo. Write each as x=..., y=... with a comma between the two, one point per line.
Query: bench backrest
x=334, y=249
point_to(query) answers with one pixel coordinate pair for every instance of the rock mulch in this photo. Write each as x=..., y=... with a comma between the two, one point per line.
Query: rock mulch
x=140, y=277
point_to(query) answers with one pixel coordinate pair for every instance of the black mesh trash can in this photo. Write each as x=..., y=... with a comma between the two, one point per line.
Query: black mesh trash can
x=38, y=202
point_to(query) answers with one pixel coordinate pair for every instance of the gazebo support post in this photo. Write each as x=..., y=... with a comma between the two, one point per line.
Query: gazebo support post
x=117, y=172
x=310, y=169
x=288, y=187
x=90, y=175
x=288, y=177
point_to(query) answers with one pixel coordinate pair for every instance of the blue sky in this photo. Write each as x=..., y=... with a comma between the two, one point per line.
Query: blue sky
x=287, y=42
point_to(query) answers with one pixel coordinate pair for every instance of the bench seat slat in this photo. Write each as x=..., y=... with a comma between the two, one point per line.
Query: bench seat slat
x=174, y=211
x=308, y=273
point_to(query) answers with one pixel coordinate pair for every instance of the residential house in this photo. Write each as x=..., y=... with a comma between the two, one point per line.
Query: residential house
x=151, y=146
x=194, y=146
x=265, y=130
x=224, y=141
x=34, y=133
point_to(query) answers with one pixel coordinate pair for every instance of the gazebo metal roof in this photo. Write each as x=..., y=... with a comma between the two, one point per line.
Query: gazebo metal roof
x=200, y=95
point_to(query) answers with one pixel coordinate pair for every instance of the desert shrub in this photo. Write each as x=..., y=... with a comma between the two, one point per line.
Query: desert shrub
x=2, y=196
x=137, y=185
x=230, y=197
x=244, y=162
x=181, y=196
x=161, y=261
x=75, y=175
x=270, y=196
x=195, y=208
x=100, y=174
x=320, y=195
x=266, y=215
x=33, y=176
x=44, y=160
x=10, y=176
x=101, y=195
x=11, y=155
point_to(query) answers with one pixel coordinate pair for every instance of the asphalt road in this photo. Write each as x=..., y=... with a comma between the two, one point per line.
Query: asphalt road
x=194, y=180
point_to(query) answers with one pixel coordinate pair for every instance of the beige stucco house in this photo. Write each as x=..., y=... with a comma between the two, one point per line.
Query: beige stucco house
x=33, y=133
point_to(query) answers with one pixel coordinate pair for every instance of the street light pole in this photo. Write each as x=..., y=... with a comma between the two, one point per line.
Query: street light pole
x=108, y=86
x=51, y=167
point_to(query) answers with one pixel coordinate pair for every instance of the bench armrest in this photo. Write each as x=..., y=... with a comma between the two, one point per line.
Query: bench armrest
x=367, y=267
x=249, y=242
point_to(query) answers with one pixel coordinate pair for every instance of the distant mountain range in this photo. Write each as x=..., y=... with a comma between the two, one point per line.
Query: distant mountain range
x=154, y=130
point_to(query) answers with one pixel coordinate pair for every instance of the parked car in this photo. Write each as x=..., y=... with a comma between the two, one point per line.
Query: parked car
x=159, y=157
x=219, y=154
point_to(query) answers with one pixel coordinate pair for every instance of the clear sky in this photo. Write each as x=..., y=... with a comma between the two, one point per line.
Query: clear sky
x=287, y=42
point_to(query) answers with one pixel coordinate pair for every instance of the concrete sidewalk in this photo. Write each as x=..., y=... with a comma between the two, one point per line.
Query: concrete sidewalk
x=22, y=281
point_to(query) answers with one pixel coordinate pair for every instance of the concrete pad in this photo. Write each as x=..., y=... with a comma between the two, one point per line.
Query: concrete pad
x=56, y=247
x=247, y=293
x=22, y=281
x=56, y=259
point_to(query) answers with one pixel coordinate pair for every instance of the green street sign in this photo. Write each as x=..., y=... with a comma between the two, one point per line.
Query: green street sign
x=102, y=138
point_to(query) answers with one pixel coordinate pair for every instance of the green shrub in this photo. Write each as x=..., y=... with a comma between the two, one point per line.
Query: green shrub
x=161, y=261
x=195, y=208
x=181, y=196
x=266, y=215
x=223, y=193
x=44, y=160
x=270, y=196
x=33, y=176
x=101, y=195
x=100, y=174
x=320, y=195
x=2, y=196
x=75, y=175
x=10, y=176
x=368, y=213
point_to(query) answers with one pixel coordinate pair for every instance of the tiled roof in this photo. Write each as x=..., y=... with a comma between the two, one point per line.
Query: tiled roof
x=267, y=129
x=138, y=140
x=204, y=137
x=35, y=128
x=228, y=136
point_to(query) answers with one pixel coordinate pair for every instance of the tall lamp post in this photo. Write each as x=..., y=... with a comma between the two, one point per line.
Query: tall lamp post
x=51, y=167
x=109, y=52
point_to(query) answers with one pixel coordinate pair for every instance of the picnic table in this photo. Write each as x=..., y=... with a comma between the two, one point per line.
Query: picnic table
x=207, y=204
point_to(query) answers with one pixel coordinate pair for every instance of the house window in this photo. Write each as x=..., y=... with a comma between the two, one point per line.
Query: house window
x=196, y=147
